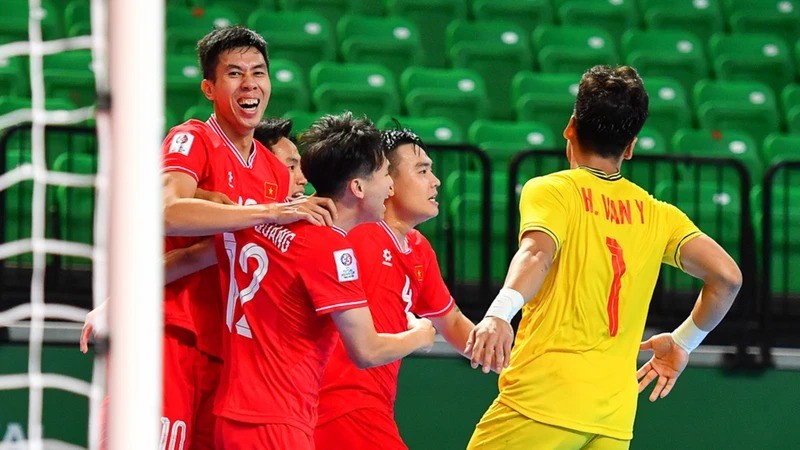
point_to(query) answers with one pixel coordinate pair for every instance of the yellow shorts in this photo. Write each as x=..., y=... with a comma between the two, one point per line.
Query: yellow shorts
x=502, y=428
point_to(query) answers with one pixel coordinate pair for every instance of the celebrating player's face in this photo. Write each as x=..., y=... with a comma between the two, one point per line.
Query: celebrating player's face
x=241, y=90
x=415, y=185
x=286, y=151
x=377, y=188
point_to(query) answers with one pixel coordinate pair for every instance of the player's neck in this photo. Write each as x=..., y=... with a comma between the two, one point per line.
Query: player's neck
x=608, y=166
x=242, y=142
x=347, y=217
x=397, y=224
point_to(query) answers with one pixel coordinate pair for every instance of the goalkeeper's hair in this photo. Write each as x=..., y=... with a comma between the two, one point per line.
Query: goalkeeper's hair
x=610, y=109
x=339, y=148
x=223, y=39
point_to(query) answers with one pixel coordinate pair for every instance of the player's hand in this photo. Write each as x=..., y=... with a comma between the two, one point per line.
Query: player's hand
x=213, y=196
x=489, y=344
x=667, y=363
x=315, y=210
x=96, y=321
x=424, y=328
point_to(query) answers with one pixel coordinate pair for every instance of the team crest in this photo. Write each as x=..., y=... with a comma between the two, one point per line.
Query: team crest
x=270, y=190
x=181, y=143
x=418, y=272
x=346, y=267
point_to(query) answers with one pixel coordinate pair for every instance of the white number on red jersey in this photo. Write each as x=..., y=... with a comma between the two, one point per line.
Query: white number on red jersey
x=406, y=294
x=234, y=295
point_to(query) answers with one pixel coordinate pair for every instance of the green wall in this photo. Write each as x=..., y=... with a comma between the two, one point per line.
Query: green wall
x=441, y=399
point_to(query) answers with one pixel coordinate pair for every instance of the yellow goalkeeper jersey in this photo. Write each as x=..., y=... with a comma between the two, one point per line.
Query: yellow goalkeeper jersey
x=574, y=359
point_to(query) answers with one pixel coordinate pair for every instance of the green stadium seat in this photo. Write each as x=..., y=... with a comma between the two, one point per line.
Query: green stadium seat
x=241, y=8
x=201, y=111
x=17, y=200
x=77, y=18
x=289, y=89
x=647, y=174
x=458, y=94
x=790, y=99
x=497, y=50
x=732, y=144
x=545, y=97
x=432, y=130
x=528, y=14
x=14, y=21
x=779, y=17
x=69, y=75
x=752, y=57
x=778, y=147
x=614, y=16
x=431, y=18
x=650, y=141
x=393, y=42
x=361, y=88
x=669, y=106
x=503, y=140
x=182, y=78
x=75, y=205
x=700, y=17
x=185, y=26
x=673, y=54
x=302, y=37
x=331, y=10
x=745, y=106
x=715, y=208
x=301, y=120
x=14, y=76
x=785, y=249
x=570, y=49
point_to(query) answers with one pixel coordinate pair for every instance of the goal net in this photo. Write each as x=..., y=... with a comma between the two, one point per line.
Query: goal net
x=81, y=120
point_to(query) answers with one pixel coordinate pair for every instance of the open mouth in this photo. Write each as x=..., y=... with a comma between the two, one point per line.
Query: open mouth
x=249, y=104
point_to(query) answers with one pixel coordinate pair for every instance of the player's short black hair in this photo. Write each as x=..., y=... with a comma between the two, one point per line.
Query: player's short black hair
x=227, y=38
x=393, y=138
x=338, y=148
x=610, y=109
x=269, y=131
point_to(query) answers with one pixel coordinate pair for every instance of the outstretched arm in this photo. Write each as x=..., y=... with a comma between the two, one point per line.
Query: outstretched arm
x=368, y=348
x=702, y=258
x=490, y=341
x=181, y=262
x=455, y=327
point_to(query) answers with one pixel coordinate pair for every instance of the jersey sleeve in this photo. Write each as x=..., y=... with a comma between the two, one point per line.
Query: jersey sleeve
x=332, y=278
x=185, y=150
x=544, y=207
x=681, y=230
x=434, y=297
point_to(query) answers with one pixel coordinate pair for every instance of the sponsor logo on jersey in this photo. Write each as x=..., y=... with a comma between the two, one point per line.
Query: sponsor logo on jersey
x=346, y=267
x=270, y=190
x=387, y=257
x=181, y=143
x=419, y=271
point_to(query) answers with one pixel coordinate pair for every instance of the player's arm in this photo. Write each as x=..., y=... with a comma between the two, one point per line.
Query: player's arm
x=181, y=262
x=368, y=348
x=455, y=327
x=185, y=215
x=702, y=258
x=490, y=341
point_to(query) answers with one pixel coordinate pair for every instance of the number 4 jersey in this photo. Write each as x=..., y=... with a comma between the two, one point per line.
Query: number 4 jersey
x=397, y=277
x=574, y=359
x=290, y=278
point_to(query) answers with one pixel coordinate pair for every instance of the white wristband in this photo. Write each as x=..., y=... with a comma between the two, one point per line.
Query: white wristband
x=688, y=336
x=506, y=305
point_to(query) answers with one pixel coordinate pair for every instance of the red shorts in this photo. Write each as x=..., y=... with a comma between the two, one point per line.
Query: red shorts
x=233, y=435
x=190, y=383
x=362, y=429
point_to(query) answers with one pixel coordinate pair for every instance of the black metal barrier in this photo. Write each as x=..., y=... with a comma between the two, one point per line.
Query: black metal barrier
x=780, y=250
x=715, y=194
x=68, y=214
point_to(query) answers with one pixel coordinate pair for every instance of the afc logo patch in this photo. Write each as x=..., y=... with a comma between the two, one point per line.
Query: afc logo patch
x=270, y=190
x=418, y=271
x=346, y=266
x=181, y=143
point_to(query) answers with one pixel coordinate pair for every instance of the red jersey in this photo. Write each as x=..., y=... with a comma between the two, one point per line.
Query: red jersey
x=201, y=150
x=290, y=278
x=396, y=279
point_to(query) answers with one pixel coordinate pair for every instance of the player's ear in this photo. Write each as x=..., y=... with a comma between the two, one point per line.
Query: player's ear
x=208, y=89
x=356, y=188
x=628, y=152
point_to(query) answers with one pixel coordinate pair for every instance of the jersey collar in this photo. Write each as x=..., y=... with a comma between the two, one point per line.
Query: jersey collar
x=212, y=121
x=339, y=230
x=403, y=248
x=600, y=174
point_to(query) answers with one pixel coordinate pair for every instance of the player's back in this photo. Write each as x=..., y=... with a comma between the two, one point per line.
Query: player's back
x=289, y=279
x=584, y=325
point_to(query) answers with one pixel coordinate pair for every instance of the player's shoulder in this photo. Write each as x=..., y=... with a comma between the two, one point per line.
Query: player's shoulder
x=418, y=240
x=556, y=181
x=192, y=126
